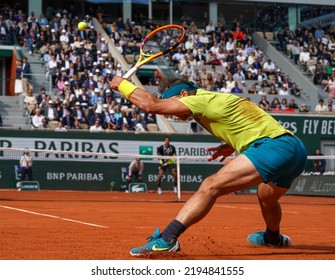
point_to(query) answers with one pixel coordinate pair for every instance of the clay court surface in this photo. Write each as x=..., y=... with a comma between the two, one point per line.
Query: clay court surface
x=106, y=230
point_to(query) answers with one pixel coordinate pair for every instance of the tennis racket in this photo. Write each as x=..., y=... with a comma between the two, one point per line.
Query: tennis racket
x=158, y=42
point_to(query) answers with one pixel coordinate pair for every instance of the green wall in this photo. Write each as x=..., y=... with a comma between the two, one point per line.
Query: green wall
x=56, y=171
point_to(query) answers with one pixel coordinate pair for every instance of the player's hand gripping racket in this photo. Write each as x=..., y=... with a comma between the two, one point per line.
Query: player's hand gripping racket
x=158, y=42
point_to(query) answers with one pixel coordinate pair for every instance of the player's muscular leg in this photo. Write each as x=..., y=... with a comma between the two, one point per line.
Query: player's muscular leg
x=239, y=174
x=268, y=196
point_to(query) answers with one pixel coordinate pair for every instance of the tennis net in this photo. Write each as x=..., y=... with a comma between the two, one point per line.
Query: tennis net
x=89, y=176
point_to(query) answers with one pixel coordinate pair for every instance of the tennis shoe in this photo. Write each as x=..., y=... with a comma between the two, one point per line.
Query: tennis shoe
x=258, y=239
x=156, y=244
x=175, y=189
x=159, y=190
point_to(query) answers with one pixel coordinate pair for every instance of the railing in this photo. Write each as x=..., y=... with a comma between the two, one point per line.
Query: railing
x=49, y=90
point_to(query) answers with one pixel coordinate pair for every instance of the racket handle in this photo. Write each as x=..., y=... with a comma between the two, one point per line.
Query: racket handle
x=130, y=73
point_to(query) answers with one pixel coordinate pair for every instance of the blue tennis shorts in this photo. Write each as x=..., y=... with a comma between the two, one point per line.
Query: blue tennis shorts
x=279, y=160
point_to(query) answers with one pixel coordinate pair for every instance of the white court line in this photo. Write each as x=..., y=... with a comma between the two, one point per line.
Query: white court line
x=253, y=209
x=52, y=216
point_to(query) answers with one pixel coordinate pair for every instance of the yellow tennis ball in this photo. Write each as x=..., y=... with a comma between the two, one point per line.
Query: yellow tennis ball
x=81, y=25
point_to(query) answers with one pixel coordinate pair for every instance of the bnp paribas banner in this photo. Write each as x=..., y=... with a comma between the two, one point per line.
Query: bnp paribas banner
x=95, y=172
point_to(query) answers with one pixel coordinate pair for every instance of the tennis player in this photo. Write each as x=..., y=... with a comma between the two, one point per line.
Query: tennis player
x=270, y=156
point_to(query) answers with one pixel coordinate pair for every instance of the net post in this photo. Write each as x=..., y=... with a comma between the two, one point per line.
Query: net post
x=178, y=180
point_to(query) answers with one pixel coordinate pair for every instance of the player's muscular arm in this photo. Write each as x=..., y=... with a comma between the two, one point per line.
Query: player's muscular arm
x=151, y=104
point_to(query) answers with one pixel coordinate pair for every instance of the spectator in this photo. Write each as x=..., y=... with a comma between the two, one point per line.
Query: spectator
x=269, y=67
x=203, y=40
x=319, y=165
x=51, y=113
x=30, y=101
x=68, y=120
x=331, y=103
x=283, y=91
x=218, y=80
x=262, y=91
x=118, y=117
x=321, y=107
x=230, y=82
x=120, y=24
x=303, y=108
x=284, y=104
x=264, y=104
x=236, y=88
x=287, y=83
x=230, y=45
x=275, y=102
x=76, y=125
x=140, y=124
x=294, y=90
x=4, y=32
x=83, y=98
x=293, y=105
x=318, y=33
x=317, y=73
x=209, y=28
x=41, y=97
x=331, y=45
x=63, y=109
x=304, y=58
x=78, y=114
x=187, y=71
x=225, y=88
x=252, y=89
x=208, y=83
x=330, y=86
x=25, y=74
x=238, y=36
x=252, y=72
x=96, y=126
x=239, y=75
x=37, y=118
x=42, y=21
x=272, y=90
x=112, y=125
x=118, y=70
x=177, y=57
x=330, y=108
x=279, y=77
x=45, y=124
x=276, y=83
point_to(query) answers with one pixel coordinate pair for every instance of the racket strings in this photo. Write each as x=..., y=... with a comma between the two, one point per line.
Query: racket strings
x=162, y=41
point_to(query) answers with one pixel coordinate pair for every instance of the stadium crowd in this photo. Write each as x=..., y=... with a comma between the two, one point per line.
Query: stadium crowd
x=218, y=58
x=80, y=67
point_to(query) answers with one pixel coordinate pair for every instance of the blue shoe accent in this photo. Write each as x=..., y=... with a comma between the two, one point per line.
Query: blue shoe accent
x=156, y=244
x=257, y=238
